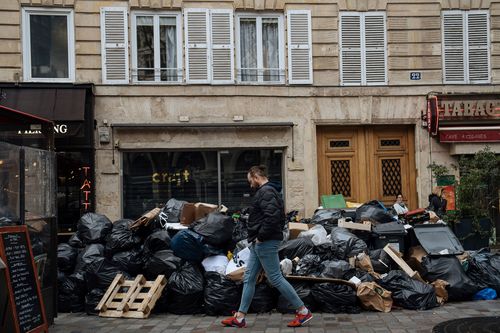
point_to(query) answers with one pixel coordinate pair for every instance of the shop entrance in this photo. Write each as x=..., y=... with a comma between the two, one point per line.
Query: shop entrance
x=367, y=162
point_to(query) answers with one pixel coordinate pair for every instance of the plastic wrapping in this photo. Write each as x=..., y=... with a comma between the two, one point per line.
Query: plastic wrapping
x=92, y=299
x=335, y=298
x=381, y=261
x=173, y=210
x=71, y=293
x=75, y=241
x=121, y=238
x=484, y=270
x=66, y=257
x=101, y=273
x=346, y=244
x=409, y=293
x=188, y=245
x=296, y=248
x=162, y=262
x=335, y=269
x=374, y=211
x=265, y=299
x=90, y=254
x=309, y=265
x=317, y=234
x=215, y=264
x=221, y=295
x=94, y=228
x=130, y=261
x=216, y=229
x=185, y=290
x=449, y=269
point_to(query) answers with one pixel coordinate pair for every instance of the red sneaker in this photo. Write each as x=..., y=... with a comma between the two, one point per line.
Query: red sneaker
x=300, y=319
x=233, y=322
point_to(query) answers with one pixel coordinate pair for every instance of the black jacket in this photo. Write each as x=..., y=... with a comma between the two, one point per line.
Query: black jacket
x=267, y=214
x=437, y=204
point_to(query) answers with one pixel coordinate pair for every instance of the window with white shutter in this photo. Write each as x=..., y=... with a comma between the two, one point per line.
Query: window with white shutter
x=363, y=48
x=299, y=47
x=196, y=26
x=260, y=48
x=466, y=57
x=114, y=45
x=222, y=46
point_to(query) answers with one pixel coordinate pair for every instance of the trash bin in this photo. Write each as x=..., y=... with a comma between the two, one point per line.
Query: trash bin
x=392, y=233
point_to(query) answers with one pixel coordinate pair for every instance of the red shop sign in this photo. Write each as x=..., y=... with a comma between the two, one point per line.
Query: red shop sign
x=469, y=135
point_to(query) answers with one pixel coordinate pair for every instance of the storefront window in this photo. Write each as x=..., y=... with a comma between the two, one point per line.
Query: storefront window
x=74, y=188
x=151, y=179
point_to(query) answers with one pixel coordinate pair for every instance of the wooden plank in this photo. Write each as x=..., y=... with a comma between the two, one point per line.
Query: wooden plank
x=151, y=292
x=133, y=290
x=111, y=290
x=396, y=256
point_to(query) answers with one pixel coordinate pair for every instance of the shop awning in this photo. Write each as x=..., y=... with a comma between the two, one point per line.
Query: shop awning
x=469, y=134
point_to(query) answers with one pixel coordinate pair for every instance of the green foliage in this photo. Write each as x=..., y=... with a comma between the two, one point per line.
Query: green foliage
x=438, y=170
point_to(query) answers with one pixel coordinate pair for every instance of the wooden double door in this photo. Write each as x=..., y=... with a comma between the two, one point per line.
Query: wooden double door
x=367, y=162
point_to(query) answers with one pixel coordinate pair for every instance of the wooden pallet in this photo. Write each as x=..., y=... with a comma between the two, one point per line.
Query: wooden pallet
x=131, y=298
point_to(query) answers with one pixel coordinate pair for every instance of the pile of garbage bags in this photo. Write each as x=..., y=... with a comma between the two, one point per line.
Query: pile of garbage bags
x=333, y=269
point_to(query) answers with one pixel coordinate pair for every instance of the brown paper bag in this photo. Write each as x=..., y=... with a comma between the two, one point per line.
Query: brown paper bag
x=363, y=261
x=374, y=297
x=441, y=292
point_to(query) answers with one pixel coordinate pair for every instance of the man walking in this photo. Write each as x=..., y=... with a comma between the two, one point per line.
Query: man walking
x=265, y=233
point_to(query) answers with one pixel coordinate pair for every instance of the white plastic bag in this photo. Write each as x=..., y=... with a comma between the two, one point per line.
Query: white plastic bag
x=236, y=267
x=215, y=264
x=317, y=234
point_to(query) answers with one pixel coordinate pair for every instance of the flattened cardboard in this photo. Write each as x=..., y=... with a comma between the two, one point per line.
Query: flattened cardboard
x=297, y=228
x=365, y=226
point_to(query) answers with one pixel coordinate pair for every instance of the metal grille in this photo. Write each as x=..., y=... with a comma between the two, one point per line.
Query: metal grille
x=391, y=177
x=341, y=177
x=390, y=143
x=339, y=143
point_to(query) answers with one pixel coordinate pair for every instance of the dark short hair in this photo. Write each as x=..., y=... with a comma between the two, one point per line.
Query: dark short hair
x=258, y=170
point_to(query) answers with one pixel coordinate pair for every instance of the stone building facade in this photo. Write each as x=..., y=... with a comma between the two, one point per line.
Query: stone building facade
x=330, y=94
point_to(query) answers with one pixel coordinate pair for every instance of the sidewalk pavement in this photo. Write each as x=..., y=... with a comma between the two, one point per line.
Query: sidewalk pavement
x=397, y=321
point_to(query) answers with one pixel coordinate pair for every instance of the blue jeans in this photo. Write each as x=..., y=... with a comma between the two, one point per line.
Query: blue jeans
x=265, y=255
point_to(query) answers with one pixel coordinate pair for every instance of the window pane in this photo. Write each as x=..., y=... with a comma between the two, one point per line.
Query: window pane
x=145, y=48
x=236, y=193
x=151, y=179
x=49, y=46
x=248, y=49
x=168, y=49
x=270, y=49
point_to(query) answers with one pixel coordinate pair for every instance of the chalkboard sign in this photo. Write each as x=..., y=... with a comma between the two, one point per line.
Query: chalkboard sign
x=22, y=280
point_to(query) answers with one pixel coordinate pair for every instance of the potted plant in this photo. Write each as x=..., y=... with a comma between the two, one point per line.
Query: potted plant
x=476, y=195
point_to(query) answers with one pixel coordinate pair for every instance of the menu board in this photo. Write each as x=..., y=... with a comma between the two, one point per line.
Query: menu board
x=22, y=280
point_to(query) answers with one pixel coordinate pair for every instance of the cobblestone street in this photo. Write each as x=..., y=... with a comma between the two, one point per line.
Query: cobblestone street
x=397, y=321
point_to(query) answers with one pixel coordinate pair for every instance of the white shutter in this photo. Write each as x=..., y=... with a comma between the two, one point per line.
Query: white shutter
x=478, y=47
x=197, y=45
x=114, y=45
x=222, y=45
x=299, y=47
x=350, y=49
x=453, y=47
x=375, y=49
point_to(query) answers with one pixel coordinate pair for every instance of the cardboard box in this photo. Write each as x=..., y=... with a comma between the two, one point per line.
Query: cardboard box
x=415, y=256
x=297, y=228
x=365, y=226
x=194, y=211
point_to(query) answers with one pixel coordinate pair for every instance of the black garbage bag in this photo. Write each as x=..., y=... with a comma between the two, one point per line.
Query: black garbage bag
x=221, y=295
x=90, y=254
x=92, y=299
x=121, y=238
x=461, y=287
x=157, y=241
x=265, y=298
x=188, y=245
x=37, y=244
x=484, y=270
x=409, y=293
x=328, y=218
x=324, y=251
x=363, y=275
x=185, y=290
x=163, y=262
x=335, y=298
x=129, y=261
x=75, y=241
x=93, y=228
x=309, y=264
x=296, y=248
x=374, y=211
x=381, y=261
x=101, y=273
x=216, y=228
x=240, y=230
x=335, y=269
x=71, y=293
x=173, y=210
x=66, y=257
x=346, y=244
x=303, y=290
